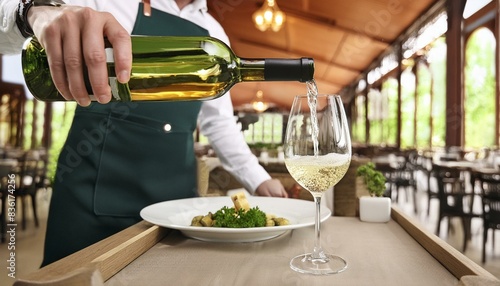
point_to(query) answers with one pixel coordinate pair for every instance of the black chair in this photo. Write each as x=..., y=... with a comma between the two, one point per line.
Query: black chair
x=405, y=178
x=389, y=174
x=42, y=181
x=454, y=201
x=425, y=167
x=490, y=193
x=27, y=176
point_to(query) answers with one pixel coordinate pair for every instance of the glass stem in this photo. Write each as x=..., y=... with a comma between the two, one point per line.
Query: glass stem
x=318, y=251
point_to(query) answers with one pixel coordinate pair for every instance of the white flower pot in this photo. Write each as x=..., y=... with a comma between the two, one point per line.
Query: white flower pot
x=374, y=209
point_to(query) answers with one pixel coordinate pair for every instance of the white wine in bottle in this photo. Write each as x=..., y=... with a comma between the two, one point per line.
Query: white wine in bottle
x=171, y=68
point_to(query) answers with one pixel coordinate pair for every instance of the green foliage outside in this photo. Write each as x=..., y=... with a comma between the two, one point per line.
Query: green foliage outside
x=437, y=64
x=358, y=126
x=62, y=118
x=407, y=108
x=423, y=111
x=423, y=118
x=28, y=124
x=267, y=130
x=480, y=90
x=390, y=124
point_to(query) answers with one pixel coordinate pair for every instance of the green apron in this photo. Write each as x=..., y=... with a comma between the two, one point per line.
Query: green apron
x=120, y=157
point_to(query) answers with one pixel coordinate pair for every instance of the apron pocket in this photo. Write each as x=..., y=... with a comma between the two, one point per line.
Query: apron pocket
x=143, y=162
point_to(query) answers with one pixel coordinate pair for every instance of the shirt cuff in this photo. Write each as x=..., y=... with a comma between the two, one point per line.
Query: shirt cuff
x=11, y=39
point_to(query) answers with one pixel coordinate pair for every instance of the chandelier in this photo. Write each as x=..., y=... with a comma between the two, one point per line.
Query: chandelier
x=269, y=16
x=258, y=103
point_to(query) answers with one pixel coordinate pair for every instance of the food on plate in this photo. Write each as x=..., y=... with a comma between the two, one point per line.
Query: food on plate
x=239, y=216
x=240, y=201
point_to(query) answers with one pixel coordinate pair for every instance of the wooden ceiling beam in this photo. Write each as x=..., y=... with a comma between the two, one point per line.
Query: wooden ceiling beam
x=328, y=23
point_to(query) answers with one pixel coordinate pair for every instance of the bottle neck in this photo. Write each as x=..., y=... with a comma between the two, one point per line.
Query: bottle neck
x=276, y=69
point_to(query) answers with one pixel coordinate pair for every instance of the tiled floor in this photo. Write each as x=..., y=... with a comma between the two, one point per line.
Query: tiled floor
x=29, y=243
x=455, y=234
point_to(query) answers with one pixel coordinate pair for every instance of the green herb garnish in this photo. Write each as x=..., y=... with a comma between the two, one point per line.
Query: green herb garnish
x=229, y=217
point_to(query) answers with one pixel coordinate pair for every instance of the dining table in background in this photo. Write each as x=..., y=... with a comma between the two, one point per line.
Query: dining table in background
x=468, y=169
x=395, y=161
x=465, y=167
x=400, y=252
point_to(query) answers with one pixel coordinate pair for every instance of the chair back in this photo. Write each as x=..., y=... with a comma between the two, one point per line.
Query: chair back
x=28, y=171
x=490, y=192
x=451, y=189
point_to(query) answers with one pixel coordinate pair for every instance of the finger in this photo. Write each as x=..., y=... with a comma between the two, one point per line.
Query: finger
x=284, y=194
x=73, y=63
x=122, y=49
x=53, y=48
x=95, y=60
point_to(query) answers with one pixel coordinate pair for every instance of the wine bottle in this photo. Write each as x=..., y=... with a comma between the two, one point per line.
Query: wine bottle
x=168, y=68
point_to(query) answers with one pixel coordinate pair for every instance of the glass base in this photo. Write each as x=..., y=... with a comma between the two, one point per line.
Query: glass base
x=329, y=264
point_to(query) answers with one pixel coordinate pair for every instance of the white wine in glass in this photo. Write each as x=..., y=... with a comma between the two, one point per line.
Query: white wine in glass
x=317, y=155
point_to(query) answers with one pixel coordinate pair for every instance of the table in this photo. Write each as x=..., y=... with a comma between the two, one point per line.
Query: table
x=465, y=167
x=399, y=252
x=396, y=162
x=462, y=165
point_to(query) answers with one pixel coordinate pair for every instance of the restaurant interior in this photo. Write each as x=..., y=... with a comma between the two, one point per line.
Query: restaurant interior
x=419, y=84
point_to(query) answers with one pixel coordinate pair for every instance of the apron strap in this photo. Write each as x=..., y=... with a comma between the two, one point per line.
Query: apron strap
x=147, y=7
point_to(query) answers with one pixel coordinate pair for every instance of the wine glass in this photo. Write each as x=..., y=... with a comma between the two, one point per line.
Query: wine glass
x=317, y=155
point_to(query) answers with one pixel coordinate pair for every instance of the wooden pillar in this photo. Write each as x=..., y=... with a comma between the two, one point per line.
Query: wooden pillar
x=497, y=70
x=431, y=117
x=47, y=126
x=454, y=73
x=367, y=120
x=21, y=122
x=1, y=104
x=34, y=124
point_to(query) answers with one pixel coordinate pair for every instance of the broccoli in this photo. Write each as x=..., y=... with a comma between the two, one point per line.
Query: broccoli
x=232, y=218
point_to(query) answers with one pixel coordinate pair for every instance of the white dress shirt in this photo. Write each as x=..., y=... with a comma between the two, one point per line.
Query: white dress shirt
x=216, y=120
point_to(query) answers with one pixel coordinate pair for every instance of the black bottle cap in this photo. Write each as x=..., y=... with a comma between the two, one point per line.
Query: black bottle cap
x=289, y=69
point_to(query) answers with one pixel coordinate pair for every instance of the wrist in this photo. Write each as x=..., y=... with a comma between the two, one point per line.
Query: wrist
x=22, y=13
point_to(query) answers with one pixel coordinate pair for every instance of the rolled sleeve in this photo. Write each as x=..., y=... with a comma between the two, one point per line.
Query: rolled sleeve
x=11, y=40
x=217, y=122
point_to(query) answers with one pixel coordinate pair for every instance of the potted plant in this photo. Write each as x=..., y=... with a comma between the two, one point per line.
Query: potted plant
x=375, y=207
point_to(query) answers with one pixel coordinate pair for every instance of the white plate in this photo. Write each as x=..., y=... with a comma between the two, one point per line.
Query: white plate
x=177, y=214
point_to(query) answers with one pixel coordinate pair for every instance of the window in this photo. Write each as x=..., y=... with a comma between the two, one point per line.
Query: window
x=359, y=115
x=423, y=105
x=407, y=108
x=268, y=129
x=436, y=57
x=479, y=102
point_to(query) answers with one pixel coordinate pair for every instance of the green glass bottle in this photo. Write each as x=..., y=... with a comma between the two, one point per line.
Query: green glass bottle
x=171, y=68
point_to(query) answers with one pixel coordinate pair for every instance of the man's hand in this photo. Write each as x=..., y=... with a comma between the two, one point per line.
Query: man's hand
x=271, y=188
x=73, y=37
